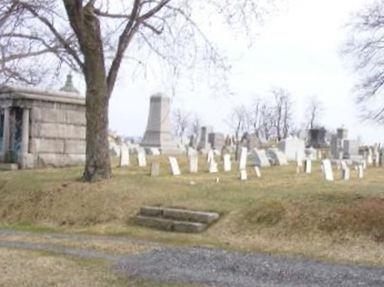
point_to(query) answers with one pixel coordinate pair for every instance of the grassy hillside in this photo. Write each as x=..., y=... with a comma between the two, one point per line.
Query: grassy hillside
x=282, y=212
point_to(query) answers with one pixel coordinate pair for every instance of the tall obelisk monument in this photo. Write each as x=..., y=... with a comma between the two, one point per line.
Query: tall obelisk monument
x=158, y=132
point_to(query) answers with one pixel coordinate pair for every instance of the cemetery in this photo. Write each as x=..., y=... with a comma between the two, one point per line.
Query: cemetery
x=297, y=188
x=191, y=143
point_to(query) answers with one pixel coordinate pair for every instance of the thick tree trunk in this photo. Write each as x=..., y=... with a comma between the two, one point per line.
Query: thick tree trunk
x=98, y=165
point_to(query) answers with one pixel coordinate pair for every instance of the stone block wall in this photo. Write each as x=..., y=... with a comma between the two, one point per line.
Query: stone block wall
x=57, y=134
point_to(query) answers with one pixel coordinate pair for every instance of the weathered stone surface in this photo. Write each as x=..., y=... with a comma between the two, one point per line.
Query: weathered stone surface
x=189, y=215
x=59, y=160
x=155, y=222
x=158, y=131
x=74, y=147
x=151, y=211
x=63, y=131
x=43, y=145
x=188, y=227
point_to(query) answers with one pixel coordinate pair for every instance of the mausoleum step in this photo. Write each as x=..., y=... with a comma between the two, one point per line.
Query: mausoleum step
x=170, y=225
x=180, y=214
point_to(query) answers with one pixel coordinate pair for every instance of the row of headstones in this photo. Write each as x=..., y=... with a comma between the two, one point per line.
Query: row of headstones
x=326, y=167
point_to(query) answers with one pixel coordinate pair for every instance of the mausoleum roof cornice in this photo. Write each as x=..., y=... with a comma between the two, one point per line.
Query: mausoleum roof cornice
x=11, y=92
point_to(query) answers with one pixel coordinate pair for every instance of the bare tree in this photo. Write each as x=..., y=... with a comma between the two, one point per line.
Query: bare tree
x=195, y=126
x=366, y=46
x=282, y=112
x=181, y=122
x=238, y=122
x=93, y=37
x=314, y=112
x=267, y=121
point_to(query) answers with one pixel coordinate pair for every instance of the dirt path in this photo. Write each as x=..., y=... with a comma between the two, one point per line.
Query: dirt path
x=212, y=267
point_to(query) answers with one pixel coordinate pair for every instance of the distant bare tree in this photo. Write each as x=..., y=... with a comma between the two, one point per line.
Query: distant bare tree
x=195, y=126
x=267, y=121
x=93, y=37
x=366, y=46
x=314, y=112
x=181, y=122
x=282, y=112
x=238, y=122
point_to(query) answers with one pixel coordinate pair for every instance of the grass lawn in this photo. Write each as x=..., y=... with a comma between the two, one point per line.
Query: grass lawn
x=282, y=212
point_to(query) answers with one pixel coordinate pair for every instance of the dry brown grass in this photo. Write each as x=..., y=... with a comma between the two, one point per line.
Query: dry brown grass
x=33, y=269
x=282, y=212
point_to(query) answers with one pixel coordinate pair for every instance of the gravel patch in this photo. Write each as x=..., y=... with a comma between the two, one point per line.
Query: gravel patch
x=214, y=267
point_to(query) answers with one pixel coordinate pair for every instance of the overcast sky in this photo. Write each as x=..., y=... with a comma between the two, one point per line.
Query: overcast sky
x=297, y=49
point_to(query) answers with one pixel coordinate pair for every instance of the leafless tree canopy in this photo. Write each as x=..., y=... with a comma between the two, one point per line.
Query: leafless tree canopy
x=181, y=122
x=366, y=46
x=314, y=112
x=268, y=119
x=38, y=37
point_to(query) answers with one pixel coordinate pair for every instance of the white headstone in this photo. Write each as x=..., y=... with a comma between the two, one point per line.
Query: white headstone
x=260, y=158
x=243, y=158
x=360, y=171
x=193, y=163
x=174, y=166
x=327, y=169
x=154, y=151
x=210, y=156
x=292, y=147
x=124, y=155
x=308, y=166
x=141, y=159
x=243, y=174
x=345, y=174
x=257, y=171
x=277, y=156
x=343, y=165
x=213, y=166
x=227, y=162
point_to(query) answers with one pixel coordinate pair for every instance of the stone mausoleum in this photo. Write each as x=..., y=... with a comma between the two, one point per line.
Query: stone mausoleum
x=42, y=128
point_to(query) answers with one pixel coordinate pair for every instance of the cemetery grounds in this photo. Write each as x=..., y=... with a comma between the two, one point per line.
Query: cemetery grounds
x=283, y=213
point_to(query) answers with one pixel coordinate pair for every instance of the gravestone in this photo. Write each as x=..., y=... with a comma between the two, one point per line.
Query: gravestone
x=193, y=163
x=243, y=174
x=257, y=171
x=141, y=159
x=124, y=156
x=203, y=138
x=153, y=151
x=360, y=171
x=311, y=153
x=259, y=157
x=227, y=162
x=158, y=131
x=277, y=156
x=308, y=166
x=155, y=168
x=243, y=158
x=351, y=149
x=174, y=166
x=370, y=157
x=346, y=174
x=213, y=167
x=327, y=169
x=292, y=147
x=210, y=156
x=216, y=140
x=317, y=138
